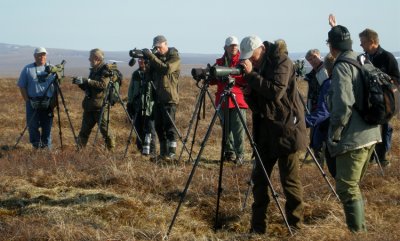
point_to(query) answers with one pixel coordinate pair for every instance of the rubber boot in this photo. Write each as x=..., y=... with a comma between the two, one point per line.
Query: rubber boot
x=163, y=149
x=82, y=142
x=355, y=217
x=110, y=143
x=146, y=144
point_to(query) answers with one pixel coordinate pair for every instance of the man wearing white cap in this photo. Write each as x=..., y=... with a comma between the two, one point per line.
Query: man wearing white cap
x=278, y=117
x=234, y=150
x=36, y=87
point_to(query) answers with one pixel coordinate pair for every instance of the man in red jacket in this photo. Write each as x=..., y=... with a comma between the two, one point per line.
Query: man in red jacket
x=234, y=150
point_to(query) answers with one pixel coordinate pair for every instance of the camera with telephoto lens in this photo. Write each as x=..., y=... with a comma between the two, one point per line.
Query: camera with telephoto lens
x=138, y=54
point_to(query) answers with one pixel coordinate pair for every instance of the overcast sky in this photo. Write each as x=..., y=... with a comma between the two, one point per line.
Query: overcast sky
x=191, y=26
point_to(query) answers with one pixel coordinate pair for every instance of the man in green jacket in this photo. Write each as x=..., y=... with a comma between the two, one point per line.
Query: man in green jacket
x=164, y=71
x=140, y=107
x=94, y=87
x=350, y=139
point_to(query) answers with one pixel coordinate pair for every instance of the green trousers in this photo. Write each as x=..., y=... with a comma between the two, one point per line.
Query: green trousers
x=89, y=120
x=350, y=168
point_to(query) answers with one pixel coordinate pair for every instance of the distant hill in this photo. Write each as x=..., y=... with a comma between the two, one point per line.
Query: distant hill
x=14, y=57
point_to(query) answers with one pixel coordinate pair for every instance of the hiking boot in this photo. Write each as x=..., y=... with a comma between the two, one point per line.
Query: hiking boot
x=229, y=157
x=385, y=163
x=239, y=160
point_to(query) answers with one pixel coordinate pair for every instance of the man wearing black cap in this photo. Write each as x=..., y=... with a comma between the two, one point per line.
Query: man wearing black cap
x=350, y=139
x=164, y=71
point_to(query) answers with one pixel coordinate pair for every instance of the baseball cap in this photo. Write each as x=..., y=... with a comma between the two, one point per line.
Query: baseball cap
x=158, y=40
x=339, y=38
x=248, y=45
x=231, y=40
x=40, y=50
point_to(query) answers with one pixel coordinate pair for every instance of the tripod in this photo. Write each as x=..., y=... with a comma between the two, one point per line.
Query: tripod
x=200, y=102
x=107, y=102
x=225, y=97
x=57, y=92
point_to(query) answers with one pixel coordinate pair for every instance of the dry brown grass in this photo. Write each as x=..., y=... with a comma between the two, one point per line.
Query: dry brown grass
x=96, y=195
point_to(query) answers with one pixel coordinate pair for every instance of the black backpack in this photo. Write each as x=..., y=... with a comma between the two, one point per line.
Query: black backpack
x=379, y=103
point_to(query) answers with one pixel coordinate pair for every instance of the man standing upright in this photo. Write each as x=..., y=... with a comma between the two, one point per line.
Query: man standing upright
x=273, y=97
x=314, y=78
x=140, y=107
x=164, y=71
x=95, y=87
x=234, y=150
x=386, y=62
x=350, y=139
x=37, y=89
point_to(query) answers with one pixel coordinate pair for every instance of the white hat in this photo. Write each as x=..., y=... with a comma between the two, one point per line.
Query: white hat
x=248, y=45
x=231, y=40
x=40, y=50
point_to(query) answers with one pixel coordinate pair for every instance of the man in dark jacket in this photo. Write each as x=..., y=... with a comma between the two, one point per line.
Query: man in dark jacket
x=164, y=71
x=275, y=102
x=95, y=87
x=140, y=107
x=386, y=62
x=350, y=139
x=234, y=150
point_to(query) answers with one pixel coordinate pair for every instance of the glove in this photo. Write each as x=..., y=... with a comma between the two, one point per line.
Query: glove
x=147, y=53
x=79, y=80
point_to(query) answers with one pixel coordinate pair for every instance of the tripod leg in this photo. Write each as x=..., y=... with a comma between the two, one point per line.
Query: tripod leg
x=258, y=158
x=67, y=113
x=249, y=184
x=195, y=114
x=322, y=171
x=59, y=120
x=224, y=142
x=130, y=134
x=378, y=162
x=26, y=127
x=196, y=163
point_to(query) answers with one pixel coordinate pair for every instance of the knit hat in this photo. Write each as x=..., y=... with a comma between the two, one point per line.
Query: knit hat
x=339, y=38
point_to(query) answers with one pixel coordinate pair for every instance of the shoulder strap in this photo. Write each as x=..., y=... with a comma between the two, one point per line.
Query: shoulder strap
x=349, y=60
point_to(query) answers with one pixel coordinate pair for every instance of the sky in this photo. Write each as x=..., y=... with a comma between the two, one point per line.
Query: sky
x=192, y=26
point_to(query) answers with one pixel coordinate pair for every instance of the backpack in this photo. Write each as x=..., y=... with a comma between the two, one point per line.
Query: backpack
x=379, y=102
x=116, y=78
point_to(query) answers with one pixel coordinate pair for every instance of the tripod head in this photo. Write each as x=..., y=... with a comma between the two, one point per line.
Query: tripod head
x=57, y=70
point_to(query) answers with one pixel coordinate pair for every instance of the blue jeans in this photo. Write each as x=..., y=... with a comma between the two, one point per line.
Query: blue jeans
x=39, y=124
x=383, y=147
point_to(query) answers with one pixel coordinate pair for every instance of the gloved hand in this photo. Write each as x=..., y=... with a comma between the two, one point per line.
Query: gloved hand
x=79, y=80
x=147, y=53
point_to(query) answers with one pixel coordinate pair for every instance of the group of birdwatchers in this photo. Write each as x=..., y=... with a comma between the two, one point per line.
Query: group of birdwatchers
x=268, y=86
